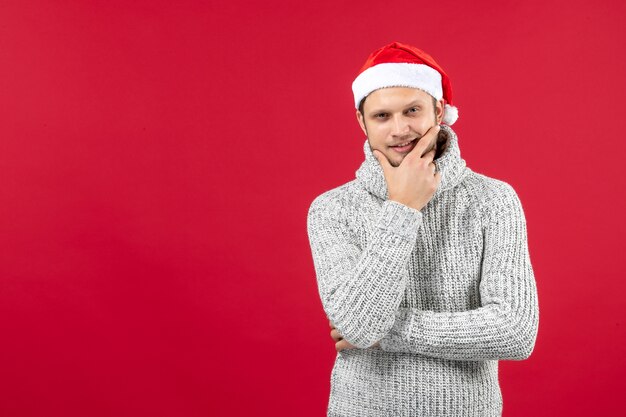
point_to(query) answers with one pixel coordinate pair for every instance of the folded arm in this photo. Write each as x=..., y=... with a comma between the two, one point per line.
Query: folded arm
x=506, y=324
x=361, y=288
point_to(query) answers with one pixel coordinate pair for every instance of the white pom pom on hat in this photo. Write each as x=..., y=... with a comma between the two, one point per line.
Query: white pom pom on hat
x=401, y=65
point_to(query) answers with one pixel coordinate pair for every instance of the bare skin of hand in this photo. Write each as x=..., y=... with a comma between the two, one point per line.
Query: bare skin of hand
x=414, y=182
x=340, y=342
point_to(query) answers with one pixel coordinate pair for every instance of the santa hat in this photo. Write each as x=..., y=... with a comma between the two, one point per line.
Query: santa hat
x=401, y=65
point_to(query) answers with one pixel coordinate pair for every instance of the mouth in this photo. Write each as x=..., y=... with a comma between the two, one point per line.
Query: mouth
x=404, y=147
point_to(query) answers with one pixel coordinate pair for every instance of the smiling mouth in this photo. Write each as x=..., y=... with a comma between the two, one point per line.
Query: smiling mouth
x=404, y=146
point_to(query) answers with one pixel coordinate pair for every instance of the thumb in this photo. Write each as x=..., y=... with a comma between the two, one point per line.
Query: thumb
x=438, y=178
x=382, y=160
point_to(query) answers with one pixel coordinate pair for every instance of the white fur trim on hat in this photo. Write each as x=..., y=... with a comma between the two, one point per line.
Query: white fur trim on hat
x=398, y=74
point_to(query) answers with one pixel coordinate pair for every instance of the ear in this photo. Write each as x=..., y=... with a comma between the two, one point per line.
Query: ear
x=359, y=118
x=439, y=110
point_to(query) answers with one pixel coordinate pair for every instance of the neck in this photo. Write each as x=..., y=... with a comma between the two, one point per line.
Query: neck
x=447, y=156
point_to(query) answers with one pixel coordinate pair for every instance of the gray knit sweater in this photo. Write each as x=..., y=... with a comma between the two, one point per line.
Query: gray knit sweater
x=447, y=290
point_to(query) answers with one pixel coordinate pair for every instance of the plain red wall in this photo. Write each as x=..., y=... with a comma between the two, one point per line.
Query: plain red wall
x=158, y=160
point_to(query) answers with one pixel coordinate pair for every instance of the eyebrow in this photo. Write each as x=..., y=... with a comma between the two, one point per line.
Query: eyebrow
x=416, y=102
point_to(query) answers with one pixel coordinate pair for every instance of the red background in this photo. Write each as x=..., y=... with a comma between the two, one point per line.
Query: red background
x=158, y=160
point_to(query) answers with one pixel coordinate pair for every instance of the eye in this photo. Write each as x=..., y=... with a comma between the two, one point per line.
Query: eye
x=380, y=115
x=413, y=110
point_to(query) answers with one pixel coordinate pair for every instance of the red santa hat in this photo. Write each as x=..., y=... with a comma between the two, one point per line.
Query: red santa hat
x=401, y=65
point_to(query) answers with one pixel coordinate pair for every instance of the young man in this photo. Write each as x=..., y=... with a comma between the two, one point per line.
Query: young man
x=422, y=264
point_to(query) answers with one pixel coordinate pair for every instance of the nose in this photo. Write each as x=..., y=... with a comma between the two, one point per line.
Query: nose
x=400, y=126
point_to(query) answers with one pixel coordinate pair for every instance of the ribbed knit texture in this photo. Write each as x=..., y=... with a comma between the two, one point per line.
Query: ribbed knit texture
x=447, y=290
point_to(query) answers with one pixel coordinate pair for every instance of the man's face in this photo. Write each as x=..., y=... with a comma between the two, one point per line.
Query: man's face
x=397, y=116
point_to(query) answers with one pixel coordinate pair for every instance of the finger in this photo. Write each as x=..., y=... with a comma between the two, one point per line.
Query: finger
x=433, y=167
x=430, y=155
x=335, y=335
x=433, y=143
x=382, y=159
x=344, y=344
x=432, y=146
x=338, y=347
x=341, y=345
x=438, y=178
x=425, y=142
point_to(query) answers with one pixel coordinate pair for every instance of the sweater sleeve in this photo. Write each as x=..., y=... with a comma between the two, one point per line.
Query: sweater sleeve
x=361, y=287
x=505, y=326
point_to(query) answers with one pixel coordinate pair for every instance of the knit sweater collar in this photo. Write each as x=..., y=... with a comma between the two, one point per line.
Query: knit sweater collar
x=452, y=167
